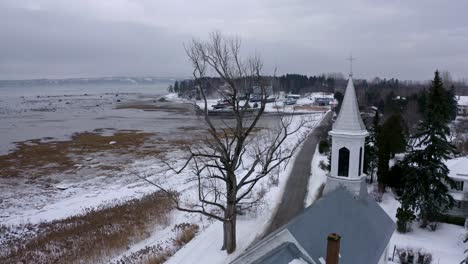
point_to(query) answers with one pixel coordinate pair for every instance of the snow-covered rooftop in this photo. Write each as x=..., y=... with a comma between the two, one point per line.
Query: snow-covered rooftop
x=458, y=167
x=462, y=100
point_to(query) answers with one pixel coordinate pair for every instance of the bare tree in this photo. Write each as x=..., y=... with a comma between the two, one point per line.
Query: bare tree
x=446, y=79
x=229, y=163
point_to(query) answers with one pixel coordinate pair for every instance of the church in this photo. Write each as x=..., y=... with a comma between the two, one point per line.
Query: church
x=346, y=225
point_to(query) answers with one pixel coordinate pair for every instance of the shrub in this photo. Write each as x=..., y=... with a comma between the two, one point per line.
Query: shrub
x=323, y=166
x=324, y=147
x=185, y=233
x=394, y=179
x=409, y=256
x=433, y=225
x=404, y=219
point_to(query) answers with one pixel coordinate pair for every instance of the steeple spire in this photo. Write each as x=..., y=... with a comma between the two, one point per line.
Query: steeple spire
x=349, y=120
x=348, y=139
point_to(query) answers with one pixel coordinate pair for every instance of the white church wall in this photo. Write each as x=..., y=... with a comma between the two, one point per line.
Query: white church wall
x=353, y=144
x=353, y=185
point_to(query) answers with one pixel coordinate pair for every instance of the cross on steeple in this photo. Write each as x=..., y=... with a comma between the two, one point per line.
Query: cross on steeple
x=351, y=65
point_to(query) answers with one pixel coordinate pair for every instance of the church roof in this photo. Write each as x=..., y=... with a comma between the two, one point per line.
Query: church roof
x=349, y=120
x=284, y=253
x=364, y=226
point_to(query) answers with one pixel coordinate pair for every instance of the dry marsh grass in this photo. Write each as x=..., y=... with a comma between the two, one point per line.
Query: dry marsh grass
x=92, y=237
x=159, y=253
x=37, y=158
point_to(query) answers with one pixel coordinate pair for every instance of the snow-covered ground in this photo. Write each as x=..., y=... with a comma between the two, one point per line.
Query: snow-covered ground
x=318, y=177
x=445, y=244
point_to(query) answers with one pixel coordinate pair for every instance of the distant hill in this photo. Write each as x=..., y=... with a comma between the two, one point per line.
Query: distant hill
x=84, y=81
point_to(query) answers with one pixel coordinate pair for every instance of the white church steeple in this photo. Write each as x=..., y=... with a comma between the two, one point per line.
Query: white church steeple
x=348, y=139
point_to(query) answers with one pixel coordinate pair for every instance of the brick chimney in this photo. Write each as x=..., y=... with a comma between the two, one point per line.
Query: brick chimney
x=333, y=248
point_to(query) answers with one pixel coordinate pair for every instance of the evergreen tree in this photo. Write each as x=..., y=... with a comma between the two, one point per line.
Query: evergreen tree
x=425, y=191
x=339, y=97
x=395, y=134
x=422, y=102
x=391, y=139
x=370, y=153
x=381, y=105
x=452, y=103
x=176, y=87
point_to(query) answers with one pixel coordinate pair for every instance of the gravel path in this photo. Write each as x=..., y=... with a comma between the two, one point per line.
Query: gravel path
x=292, y=202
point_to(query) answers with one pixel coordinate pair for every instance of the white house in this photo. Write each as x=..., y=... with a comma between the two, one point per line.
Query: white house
x=459, y=173
x=462, y=102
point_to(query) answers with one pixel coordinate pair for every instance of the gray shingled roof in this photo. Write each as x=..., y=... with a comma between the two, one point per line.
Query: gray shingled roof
x=349, y=119
x=282, y=254
x=364, y=226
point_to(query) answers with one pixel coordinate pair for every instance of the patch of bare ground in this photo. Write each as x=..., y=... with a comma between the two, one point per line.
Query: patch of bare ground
x=92, y=237
x=157, y=106
x=304, y=107
x=37, y=158
x=310, y=108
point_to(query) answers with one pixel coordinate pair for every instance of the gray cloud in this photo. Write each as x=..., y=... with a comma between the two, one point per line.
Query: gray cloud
x=403, y=39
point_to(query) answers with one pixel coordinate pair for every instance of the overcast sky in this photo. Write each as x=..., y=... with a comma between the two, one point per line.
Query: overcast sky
x=84, y=38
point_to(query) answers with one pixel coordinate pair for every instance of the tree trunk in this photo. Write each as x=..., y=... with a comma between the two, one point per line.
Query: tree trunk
x=229, y=227
x=424, y=219
x=381, y=187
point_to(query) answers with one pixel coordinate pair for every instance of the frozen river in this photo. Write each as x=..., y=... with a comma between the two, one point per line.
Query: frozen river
x=59, y=111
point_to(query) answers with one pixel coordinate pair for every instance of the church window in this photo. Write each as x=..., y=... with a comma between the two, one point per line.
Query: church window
x=343, y=162
x=360, y=161
x=458, y=186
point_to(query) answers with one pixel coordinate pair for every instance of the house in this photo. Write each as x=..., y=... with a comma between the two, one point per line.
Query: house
x=458, y=171
x=462, y=103
x=322, y=99
x=260, y=91
x=345, y=209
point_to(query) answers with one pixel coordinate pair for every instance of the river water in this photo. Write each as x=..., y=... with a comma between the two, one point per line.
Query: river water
x=59, y=111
